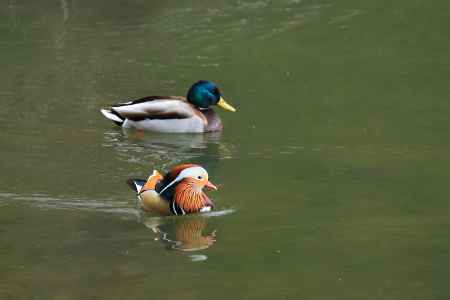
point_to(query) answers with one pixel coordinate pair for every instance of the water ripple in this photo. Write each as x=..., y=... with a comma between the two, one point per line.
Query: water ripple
x=44, y=201
x=165, y=150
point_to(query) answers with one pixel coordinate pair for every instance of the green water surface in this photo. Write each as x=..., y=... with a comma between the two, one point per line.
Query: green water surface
x=333, y=173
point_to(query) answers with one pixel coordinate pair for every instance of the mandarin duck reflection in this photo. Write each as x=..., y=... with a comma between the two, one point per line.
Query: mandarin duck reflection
x=173, y=113
x=179, y=192
x=183, y=234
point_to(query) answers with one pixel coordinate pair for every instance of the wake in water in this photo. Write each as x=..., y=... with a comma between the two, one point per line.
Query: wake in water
x=187, y=234
x=122, y=208
x=44, y=201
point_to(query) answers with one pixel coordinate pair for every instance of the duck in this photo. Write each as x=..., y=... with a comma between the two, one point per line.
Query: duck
x=176, y=114
x=178, y=192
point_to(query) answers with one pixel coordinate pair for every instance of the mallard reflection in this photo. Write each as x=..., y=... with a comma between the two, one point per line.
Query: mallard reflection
x=164, y=150
x=187, y=233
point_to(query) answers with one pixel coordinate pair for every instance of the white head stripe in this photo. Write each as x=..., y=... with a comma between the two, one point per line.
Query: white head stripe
x=192, y=172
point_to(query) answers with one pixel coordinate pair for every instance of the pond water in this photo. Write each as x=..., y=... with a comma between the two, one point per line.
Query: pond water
x=333, y=173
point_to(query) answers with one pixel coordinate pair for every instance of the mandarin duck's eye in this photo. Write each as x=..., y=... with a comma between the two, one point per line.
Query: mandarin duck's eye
x=199, y=177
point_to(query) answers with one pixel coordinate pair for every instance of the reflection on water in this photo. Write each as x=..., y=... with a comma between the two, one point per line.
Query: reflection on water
x=165, y=150
x=185, y=234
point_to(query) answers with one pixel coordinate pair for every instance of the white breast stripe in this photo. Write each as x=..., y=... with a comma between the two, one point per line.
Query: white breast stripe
x=173, y=208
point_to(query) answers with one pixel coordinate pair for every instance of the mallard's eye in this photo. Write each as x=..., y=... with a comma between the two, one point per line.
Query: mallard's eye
x=199, y=177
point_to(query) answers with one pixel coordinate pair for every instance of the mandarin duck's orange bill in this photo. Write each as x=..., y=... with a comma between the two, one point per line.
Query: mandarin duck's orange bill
x=179, y=192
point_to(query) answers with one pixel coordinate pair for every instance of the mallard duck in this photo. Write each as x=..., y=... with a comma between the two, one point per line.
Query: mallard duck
x=179, y=192
x=173, y=113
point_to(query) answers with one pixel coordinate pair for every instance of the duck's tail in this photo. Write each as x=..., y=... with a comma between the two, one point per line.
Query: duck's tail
x=136, y=184
x=113, y=116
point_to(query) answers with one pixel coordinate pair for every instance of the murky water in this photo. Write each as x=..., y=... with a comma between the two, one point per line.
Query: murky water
x=333, y=174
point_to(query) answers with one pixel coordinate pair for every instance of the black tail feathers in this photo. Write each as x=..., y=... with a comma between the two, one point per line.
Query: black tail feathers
x=136, y=184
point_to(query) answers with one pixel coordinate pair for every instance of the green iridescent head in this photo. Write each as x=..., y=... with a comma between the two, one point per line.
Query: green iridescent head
x=205, y=93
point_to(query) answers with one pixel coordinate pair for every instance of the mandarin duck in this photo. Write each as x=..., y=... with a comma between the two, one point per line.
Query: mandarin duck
x=192, y=114
x=178, y=192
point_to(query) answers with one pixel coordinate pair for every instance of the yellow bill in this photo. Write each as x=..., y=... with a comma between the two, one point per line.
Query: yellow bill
x=222, y=103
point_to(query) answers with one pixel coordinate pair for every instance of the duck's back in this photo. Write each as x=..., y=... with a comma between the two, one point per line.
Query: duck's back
x=161, y=114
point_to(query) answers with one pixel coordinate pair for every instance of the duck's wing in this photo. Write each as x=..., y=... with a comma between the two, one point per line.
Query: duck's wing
x=152, y=183
x=154, y=107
